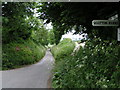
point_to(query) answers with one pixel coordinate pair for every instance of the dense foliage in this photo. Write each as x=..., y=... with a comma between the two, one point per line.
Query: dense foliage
x=97, y=65
x=14, y=20
x=51, y=37
x=63, y=49
x=68, y=15
x=39, y=33
x=23, y=35
x=19, y=53
x=19, y=21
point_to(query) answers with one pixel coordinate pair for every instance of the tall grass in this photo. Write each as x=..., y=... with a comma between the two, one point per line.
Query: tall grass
x=63, y=49
x=24, y=52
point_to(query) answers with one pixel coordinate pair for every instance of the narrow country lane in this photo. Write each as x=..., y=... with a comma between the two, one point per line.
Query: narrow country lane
x=33, y=76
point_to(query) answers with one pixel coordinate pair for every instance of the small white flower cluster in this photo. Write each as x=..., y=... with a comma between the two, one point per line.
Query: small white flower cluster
x=85, y=57
x=83, y=61
x=94, y=63
x=102, y=82
x=104, y=86
x=88, y=75
x=79, y=65
x=102, y=47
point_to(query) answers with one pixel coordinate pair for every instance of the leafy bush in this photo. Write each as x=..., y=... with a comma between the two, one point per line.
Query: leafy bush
x=20, y=53
x=64, y=48
x=97, y=65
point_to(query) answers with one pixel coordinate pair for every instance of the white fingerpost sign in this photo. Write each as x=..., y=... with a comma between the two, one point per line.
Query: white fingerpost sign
x=118, y=36
x=105, y=23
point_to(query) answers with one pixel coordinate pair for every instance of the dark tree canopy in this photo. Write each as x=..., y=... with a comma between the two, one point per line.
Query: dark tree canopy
x=66, y=15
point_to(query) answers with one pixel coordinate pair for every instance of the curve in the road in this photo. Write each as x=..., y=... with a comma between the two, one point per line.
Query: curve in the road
x=33, y=76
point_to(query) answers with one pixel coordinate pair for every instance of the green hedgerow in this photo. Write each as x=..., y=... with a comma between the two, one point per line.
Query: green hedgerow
x=17, y=54
x=94, y=66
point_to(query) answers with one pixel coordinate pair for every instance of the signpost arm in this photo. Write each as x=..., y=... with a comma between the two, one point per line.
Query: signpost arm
x=118, y=36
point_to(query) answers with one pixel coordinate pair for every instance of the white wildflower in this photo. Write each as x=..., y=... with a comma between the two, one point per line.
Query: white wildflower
x=102, y=47
x=105, y=86
x=85, y=57
x=81, y=65
x=107, y=80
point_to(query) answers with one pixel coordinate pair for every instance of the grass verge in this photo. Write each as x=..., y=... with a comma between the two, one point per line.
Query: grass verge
x=63, y=49
x=17, y=54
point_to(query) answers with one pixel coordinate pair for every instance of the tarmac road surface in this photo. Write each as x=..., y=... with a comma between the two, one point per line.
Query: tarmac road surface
x=33, y=76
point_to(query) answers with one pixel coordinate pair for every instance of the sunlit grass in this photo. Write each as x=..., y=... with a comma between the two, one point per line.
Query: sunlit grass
x=63, y=49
